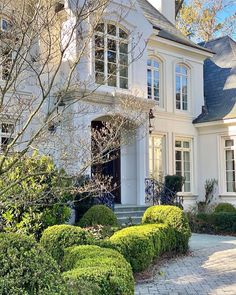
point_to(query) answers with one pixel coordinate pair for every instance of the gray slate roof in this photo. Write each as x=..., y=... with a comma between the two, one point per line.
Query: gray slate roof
x=219, y=81
x=167, y=29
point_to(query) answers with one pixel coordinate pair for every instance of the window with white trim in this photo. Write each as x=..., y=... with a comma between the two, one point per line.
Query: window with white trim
x=229, y=153
x=5, y=25
x=183, y=162
x=154, y=80
x=6, y=133
x=181, y=84
x=111, y=56
x=157, y=157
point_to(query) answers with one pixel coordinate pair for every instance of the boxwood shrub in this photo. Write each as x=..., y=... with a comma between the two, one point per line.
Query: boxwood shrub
x=25, y=268
x=58, y=237
x=99, y=214
x=105, y=271
x=225, y=207
x=173, y=217
x=140, y=244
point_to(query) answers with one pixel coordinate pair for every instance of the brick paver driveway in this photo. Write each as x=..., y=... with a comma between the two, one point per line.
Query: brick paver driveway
x=211, y=269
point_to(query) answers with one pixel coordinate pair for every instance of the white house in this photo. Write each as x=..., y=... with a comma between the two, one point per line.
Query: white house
x=167, y=77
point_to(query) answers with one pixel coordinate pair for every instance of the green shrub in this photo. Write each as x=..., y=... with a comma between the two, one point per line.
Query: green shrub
x=58, y=237
x=173, y=217
x=31, y=205
x=224, y=221
x=103, y=271
x=140, y=244
x=98, y=214
x=224, y=207
x=25, y=268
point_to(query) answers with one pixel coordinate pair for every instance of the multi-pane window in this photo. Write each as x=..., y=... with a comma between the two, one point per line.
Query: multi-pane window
x=182, y=81
x=153, y=79
x=183, y=162
x=7, y=133
x=157, y=157
x=5, y=52
x=230, y=148
x=111, y=56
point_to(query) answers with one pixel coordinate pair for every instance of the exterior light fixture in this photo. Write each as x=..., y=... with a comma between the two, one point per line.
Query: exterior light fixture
x=151, y=117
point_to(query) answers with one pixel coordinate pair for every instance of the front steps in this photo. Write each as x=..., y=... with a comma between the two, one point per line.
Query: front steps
x=129, y=214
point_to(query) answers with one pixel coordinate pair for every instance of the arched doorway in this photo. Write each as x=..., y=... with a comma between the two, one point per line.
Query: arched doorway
x=110, y=157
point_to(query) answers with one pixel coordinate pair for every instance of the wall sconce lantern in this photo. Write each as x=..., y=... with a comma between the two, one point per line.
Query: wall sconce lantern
x=151, y=117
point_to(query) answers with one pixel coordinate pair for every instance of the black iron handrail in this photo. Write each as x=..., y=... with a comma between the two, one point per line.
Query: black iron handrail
x=158, y=194
x=105, y=198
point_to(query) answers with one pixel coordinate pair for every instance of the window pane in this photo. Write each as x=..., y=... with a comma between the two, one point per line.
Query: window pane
x=186, y=144
x=124, y=59
x=231, y=187
x=229, y=155
x=155, y=64
x=111, y=30
x=111, y=44
x=178, y=105
x=124, y=72
x=124, y=48
x=99, y=54
x=178, y=166
x=178, y=69
x=123, y=34
x=229, y=143
x=156, y=76
x=99, y=28
x=187, y=187
x=112, y=80
x=99, y=66
x=123, y=83
x=156, y=93
x=100, y=79
x=230, y=165
x=99, y=41
x=178, y=87
x=7, y=128
x=112, y=68
x=149, y=92
x=178, y=155
x=178, y=143
x=230, y=176
x=111, y=56
x=184, y=70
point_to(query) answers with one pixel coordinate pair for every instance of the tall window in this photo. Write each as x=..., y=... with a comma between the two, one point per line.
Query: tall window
x=230, y=148
x=153, y=79
x=183, y=162
x=182, y=81
x=157, y=157
x=5, y=52
x=6, y=133
x=111, y=56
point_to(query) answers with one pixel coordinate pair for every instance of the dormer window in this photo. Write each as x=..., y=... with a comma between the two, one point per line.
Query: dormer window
x=111, y=56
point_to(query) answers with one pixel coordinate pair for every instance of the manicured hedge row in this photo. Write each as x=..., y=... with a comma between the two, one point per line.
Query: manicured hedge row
x=173, y=217
x=215, y=223
x=167, y=229
x=140, y=244
x=104, y=271
x=25, y=268
x=58, y=237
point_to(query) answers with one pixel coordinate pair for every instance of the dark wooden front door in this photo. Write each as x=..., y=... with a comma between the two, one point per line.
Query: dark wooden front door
x=111, y=168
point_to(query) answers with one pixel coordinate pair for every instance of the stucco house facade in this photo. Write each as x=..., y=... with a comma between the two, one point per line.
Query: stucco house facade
x=167, y=78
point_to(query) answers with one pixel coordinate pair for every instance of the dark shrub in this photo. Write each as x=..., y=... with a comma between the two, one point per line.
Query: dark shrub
x=224, y=221
x=58, y=237
x=224, y=207
x=25, y=268
x=103, y=271
x=173, y=217
x=140, y=244
x=98, y=214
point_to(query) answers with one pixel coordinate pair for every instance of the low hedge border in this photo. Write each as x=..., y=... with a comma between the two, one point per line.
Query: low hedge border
x=215, y=223
x=104, y=271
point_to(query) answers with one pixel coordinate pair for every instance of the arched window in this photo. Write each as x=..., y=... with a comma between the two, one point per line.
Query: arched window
x=182, y=84
x=111, y=56
x=154, y=79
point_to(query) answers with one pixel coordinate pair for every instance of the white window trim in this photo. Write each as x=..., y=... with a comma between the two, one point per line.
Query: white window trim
x=190, y=140
x=105, y=86
x=189, y=85
x=222, y=166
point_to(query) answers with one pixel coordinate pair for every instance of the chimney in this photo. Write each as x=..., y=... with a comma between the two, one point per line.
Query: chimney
x=166, y=7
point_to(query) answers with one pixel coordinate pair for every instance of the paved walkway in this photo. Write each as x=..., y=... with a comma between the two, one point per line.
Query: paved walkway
x=210, y=270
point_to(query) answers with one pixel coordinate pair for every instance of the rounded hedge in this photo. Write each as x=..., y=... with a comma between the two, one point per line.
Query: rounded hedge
x=140, y=244
x=58, y=237
x=95, y=270
x=98, y=214
x=173, y=217
x=25, y=268
x=225, y=207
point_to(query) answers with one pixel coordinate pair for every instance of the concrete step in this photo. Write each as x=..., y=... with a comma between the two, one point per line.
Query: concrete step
x=127, y=214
